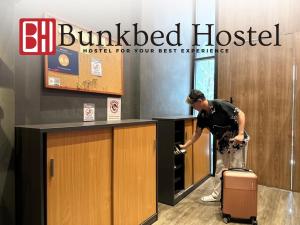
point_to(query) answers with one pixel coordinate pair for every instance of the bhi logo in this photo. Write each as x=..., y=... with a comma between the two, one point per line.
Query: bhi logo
x=37, y=36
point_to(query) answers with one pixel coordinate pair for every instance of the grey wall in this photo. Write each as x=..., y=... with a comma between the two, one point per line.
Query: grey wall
x=7, y=109
x=34, y=104
x=23, y=100
x=155, y=85
x=166, y=78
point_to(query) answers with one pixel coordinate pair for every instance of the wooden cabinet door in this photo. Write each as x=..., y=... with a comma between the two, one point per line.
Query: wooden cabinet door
x=188, y=161
x=294, y=17
x=201, y=155
x=79, y=171
x=134, y=174
x=296, y=119
x=260, y=15
x=261, y=79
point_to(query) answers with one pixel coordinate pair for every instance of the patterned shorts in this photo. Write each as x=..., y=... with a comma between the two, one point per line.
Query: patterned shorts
x=226, y=145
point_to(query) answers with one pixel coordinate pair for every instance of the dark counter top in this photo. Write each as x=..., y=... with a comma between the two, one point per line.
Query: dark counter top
x=83, y=125
x=176, y=117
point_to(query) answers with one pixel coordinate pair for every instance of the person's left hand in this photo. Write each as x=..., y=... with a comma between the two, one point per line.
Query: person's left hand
x=239, y=138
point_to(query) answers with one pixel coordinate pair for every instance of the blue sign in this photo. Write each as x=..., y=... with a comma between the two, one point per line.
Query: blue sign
x=64, y=61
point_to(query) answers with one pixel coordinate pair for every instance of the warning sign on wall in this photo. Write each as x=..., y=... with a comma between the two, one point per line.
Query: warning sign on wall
x=113, y=109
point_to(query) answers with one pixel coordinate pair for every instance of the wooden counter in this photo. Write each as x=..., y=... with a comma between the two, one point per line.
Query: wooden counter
x=91, y=173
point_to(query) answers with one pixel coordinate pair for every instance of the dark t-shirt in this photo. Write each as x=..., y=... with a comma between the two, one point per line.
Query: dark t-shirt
x=221, y=121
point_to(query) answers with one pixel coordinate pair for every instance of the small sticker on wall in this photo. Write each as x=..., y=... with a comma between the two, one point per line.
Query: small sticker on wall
x=53, y=81
x=88, y=112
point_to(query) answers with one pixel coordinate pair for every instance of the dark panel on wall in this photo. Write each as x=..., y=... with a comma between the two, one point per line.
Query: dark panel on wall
x=35, y=104
x=165, y=78
x=7, y=116
x=23, y=100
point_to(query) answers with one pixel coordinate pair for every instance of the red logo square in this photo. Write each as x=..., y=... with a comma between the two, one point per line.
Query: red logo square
x=37, y=36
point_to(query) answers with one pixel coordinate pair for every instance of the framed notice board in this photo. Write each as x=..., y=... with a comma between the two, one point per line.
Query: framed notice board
x=95, y=69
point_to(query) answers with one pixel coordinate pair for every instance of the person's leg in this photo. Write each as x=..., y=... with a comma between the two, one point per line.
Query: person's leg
x=222, y=162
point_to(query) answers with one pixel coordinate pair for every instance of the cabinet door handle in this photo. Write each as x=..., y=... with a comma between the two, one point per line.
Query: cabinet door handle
x=154, y=144
x=186, y=136
x=52, y=166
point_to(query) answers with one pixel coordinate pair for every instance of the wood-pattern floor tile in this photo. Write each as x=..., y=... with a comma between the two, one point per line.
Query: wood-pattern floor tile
x=275, y=207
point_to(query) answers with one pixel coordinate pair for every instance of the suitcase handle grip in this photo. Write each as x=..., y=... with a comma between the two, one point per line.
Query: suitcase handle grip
x=240, y=169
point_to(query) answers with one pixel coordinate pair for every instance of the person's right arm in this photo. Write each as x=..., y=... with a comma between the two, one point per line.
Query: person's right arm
x=195, y=137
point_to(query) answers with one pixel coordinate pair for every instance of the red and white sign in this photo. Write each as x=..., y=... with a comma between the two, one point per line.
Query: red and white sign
x=113, y=109
x=37, y=36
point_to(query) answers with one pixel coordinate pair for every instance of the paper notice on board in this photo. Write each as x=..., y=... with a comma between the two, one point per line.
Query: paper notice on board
x=53, y=81
x=96, y=67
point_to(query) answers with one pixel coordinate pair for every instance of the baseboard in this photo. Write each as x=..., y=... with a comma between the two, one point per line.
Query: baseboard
x=189, y=190
x=151, y=220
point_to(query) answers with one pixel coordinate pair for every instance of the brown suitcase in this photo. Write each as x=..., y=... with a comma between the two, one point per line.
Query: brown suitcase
x=239, y=195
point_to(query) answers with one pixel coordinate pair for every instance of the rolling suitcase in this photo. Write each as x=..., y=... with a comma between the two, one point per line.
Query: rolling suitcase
x=239, y=195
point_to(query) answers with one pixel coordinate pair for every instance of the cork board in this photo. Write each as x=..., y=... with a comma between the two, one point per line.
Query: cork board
x=74, y=68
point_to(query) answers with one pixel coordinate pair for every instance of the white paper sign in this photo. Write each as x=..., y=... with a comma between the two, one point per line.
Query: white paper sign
x=96, y=67
x=53, y=81
x=113, y=109
x=88, y=112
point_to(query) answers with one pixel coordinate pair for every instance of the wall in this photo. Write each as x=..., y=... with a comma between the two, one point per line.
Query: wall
x=166, y=78
x=34, y=104
x=23, y=100
x=260, y=81
x=7, y=109
x=155, y=85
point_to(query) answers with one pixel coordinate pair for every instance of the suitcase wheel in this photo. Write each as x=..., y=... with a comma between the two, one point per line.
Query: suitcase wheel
x=226, y=219
x=253, y=221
